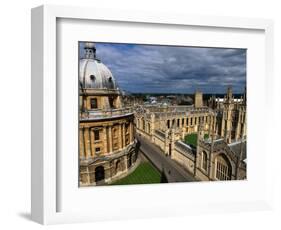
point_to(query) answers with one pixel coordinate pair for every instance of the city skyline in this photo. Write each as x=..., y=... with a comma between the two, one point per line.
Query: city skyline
x=176, y=69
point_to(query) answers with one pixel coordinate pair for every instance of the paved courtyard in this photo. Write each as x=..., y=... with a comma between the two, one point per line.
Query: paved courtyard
x=173, y=171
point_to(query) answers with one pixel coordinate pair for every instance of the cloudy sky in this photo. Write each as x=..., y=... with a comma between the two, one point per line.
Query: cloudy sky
x=172, y=69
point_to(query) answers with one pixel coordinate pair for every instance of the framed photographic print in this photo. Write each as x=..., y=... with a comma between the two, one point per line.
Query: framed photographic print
x=137, y=114
x=136, y=135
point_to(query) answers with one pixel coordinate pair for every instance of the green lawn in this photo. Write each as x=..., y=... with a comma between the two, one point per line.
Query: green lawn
x=145, y=173
x=191, y=139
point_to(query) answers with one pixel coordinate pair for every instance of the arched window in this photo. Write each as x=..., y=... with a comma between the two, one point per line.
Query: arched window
x=118, y=167
x=92, y=77
x=143, y=125
x=148, y=127
x=223, y=168
x=94, y=103
x=204, y=161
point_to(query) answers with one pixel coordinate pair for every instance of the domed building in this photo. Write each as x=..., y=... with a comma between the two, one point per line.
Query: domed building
x=106, y=132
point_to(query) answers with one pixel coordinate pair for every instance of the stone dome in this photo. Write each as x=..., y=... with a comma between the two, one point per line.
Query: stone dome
x=93, y=73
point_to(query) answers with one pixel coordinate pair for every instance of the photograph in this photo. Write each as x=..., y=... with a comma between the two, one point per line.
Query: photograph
x=153, y=113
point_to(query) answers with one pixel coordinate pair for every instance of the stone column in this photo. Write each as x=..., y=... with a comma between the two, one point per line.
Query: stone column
x=209, y=127
x=166, y=142
x=87, y=142
x=121, y=135
x=81, y=144
x=228, y=127
x=183, y=126
x=215, y=125
x=110, y=139
x=238, y=127
x=223, y=124
x=124, y=135
x=172, y=143
x=105, y=139
x=92, y=141
x=131, y=132
x=120, y=144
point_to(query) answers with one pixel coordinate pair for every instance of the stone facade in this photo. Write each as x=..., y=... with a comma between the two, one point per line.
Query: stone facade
x=231, y=115
x=221, y=156
x=183, y=119
x=218, y=160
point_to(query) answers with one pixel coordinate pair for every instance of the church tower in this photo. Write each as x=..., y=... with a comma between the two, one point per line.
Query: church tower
x=198, y=99
x=227, y=115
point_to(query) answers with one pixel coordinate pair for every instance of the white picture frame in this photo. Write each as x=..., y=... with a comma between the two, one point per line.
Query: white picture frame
x=46, y=182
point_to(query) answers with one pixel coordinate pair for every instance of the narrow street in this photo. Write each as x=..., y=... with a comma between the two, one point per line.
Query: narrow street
x=173, y=171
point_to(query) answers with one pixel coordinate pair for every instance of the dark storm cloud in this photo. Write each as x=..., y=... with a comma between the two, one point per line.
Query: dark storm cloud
x=162, y=69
